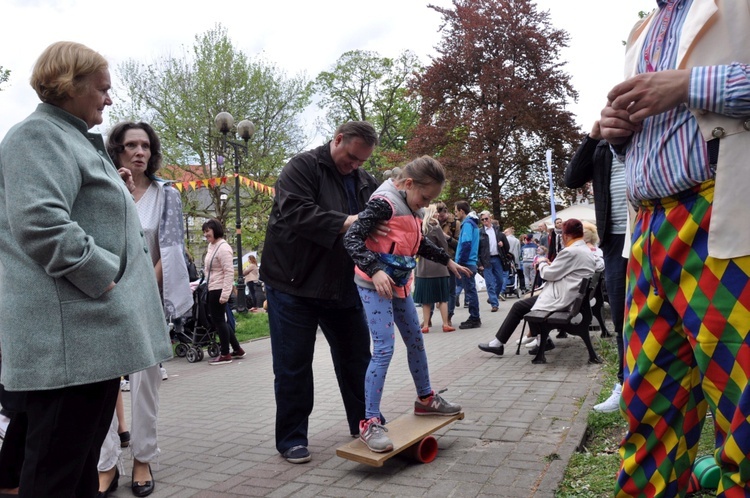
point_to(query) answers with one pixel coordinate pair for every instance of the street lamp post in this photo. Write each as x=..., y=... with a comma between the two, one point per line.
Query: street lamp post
x=224, y=122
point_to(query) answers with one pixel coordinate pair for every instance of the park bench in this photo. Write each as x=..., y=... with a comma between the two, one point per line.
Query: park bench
x=574, y=320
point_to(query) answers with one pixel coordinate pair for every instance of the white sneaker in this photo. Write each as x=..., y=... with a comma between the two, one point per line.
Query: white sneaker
x=611, y=404
x=124, y=385
x=533, y=343
x=164, y=375
x=4, y=421
x=525, y=340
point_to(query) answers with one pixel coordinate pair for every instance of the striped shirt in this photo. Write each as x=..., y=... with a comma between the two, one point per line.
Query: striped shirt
x=669, y=155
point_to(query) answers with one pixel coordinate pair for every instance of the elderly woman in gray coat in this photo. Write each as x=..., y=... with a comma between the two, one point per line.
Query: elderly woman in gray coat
x=78, y=296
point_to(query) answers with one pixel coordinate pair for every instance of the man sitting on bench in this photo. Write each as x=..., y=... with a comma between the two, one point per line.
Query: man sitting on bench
x=563, y=277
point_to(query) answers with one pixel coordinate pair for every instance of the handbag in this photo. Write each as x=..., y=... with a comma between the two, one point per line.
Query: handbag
x=398, y=267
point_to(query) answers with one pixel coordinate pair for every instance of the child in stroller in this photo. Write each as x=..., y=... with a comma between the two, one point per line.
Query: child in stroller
x=512, y=288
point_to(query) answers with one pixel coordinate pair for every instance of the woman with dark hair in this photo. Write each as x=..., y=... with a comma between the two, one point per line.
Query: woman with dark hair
x=69, y=232
x=219, y=273
x=136, y=147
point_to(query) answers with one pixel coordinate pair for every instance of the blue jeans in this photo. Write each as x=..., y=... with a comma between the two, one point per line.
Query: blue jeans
x=470, y=292
x=294, y=322
x=382, y=315
x=494, y=277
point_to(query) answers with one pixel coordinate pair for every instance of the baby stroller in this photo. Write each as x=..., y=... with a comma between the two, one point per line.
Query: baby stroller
x=511, y=286
x=196, y=331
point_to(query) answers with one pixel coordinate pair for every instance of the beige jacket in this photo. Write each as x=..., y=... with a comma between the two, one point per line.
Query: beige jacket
x=715, y=32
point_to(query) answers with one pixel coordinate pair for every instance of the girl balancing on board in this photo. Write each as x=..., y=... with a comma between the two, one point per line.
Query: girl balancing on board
x=383, y=275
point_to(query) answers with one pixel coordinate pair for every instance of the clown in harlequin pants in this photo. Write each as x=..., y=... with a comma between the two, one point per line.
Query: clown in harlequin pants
x=686, y=350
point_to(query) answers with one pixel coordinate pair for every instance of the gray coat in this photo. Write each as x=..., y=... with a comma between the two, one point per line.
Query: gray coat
x=68, y=228
x=564, y=274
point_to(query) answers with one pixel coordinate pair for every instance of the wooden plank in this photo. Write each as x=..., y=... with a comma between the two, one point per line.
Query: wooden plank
x=404, y=432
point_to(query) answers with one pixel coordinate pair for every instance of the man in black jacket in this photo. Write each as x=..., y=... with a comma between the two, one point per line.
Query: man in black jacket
x=594, y=161
x=309, y=280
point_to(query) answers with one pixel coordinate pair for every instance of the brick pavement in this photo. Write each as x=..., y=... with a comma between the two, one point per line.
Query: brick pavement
x=523, y=422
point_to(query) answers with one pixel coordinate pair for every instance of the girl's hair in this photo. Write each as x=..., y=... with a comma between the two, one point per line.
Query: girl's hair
x=214, y=225
x=423, y=171
x=590, y=234
x=252, y=259
x=116, y=144
x=429, y=219
x=62, y=69
x=541, y=249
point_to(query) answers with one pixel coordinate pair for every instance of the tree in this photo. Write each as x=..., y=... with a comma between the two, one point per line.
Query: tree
x=493, y=101
x=180, y=97
x=4, y=75
x=362, y=86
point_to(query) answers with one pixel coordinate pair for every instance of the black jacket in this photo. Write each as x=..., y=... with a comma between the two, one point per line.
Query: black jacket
x=303, y=253
x=593, y=162
x=484, y=248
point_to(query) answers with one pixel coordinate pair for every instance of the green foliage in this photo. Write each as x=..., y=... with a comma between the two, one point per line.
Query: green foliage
x=493, y=101
x=362, y=86
x=181, y=95
x=4, y=75
x=251, y=326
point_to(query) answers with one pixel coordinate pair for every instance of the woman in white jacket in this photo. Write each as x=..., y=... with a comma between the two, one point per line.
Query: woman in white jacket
x=562, y=277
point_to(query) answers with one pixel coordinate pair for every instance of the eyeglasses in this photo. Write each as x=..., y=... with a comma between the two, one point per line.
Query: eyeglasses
x=442, y=210
x=485, y=219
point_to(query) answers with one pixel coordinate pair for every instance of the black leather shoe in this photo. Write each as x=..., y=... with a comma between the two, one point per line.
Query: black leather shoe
x=498, y=350
x=112, y=485
x=144, y=488
x=549, y=346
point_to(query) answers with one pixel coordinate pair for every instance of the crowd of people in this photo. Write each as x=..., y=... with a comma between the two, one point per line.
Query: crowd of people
x=90, y=226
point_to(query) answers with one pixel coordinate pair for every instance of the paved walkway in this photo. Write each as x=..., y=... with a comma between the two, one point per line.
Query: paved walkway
x=523, y=422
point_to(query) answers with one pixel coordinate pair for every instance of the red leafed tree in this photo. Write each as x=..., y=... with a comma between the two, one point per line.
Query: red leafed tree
x=493, y=101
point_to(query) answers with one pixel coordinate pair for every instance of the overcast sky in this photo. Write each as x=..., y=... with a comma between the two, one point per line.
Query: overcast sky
x=300, y=36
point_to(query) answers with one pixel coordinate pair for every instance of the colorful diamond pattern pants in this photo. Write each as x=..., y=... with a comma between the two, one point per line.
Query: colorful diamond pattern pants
x=686, y=350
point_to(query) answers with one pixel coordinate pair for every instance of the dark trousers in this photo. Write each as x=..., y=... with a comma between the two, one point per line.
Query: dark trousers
x=12, y=451
x=294, y=323
x=615, y=271
x=514, y=317
x=66, y=429
x=218, y=314
x=252, y=302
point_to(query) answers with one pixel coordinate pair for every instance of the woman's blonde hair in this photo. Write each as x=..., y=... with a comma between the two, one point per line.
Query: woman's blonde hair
x=423, y=171
x=429, y=219
x=62, y=68
x=590, y=234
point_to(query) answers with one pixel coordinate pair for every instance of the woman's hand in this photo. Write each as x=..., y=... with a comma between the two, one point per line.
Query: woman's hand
x=223, y=300
x=127, y=177
x=457, y=269
x=383, y=284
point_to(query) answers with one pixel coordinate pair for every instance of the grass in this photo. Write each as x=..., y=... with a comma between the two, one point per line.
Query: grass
x=251, y=326
x=591, y=472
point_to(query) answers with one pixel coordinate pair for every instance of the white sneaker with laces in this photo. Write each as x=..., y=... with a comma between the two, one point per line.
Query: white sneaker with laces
x=533, y=343
x=164, y=375
x=611, y=404
x=124, y=385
